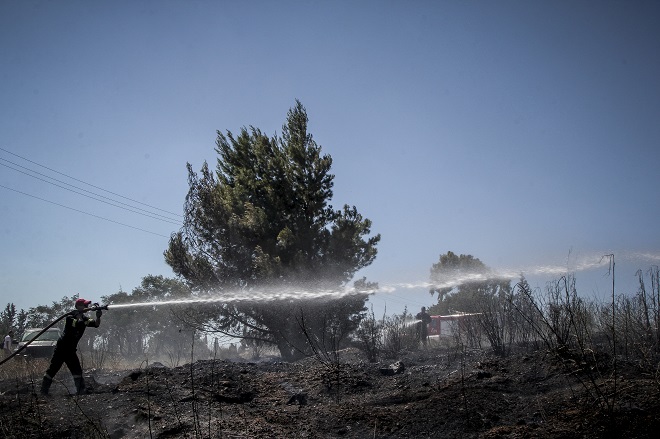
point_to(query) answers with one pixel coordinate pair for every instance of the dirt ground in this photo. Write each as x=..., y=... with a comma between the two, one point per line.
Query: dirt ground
x=430, y=393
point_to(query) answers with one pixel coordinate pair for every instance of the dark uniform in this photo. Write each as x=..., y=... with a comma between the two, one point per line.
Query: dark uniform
x=65, y=351
x=424, y=319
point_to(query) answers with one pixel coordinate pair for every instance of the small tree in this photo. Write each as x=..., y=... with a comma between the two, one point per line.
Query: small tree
x=369, y=336
x=464, y=284
x=399, y=335
x=8, y=319
x=12, y=320
x=134, y=332
x=460, y=281
x=42, y=315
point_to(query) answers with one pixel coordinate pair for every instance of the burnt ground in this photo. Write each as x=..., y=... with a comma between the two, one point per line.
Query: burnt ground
x=437, y=393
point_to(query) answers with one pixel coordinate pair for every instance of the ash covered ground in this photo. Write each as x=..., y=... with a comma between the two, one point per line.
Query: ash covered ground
x=431, y=393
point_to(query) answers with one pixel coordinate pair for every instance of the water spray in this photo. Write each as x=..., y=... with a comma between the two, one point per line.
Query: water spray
x=450, y=281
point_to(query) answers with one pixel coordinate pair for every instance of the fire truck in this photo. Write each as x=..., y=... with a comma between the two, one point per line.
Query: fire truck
x=444, y=326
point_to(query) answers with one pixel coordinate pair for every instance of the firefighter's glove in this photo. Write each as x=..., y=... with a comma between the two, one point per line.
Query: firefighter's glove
x=99, y=313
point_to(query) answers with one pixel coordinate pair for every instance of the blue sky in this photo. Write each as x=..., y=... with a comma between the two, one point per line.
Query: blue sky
x=524, y=133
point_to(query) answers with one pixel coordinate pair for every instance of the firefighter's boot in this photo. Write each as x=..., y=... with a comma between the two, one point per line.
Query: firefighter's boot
x=45, y=385
x=80, y=385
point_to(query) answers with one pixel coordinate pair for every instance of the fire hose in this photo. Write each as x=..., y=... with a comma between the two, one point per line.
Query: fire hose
x=96, y=307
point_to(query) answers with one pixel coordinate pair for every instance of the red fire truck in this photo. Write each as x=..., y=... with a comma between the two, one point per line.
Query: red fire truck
x=445, y=325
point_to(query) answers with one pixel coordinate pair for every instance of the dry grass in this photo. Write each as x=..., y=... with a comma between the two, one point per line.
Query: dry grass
x=21, y=368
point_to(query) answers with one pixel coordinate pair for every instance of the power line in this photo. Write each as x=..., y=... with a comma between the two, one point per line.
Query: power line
x=398, y=299
x=129, y=208
x=81, y=211
x=89, y=184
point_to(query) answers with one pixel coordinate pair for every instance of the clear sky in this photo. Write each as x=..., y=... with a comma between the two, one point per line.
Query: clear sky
x=518, y=132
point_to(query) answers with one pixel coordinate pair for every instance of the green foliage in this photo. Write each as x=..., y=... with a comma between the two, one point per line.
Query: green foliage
x=463, y=284
x=136, y=332
x=42, y=315
x=10, y=319
x=263, y=220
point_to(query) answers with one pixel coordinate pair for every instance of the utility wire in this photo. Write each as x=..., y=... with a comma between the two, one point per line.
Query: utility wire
x=77, y=187
x=89, y=184
x=110, y=202
x=398, y=299
x=81, y=211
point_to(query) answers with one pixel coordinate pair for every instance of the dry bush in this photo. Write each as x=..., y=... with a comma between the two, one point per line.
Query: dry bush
x=631, y=324
x=399, y=335
x=568, y=326
x=388, y=337
x=369, y=337
x=558, y=318
x=23, y=368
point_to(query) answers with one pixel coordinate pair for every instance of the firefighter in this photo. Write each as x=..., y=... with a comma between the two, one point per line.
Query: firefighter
x=67, y=344
x=424, y=320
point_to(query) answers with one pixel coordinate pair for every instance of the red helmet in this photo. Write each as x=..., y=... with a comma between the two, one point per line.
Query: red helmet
x=83, y=302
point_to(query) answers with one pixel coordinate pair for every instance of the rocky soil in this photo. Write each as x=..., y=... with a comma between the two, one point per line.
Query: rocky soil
x=431, y=393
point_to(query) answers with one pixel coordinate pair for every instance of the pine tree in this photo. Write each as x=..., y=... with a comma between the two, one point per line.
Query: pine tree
x=263, y=220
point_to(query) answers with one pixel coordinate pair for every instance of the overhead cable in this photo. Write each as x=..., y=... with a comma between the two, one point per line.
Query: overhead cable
x=81, y=211
x=111, y=202
x=89, y=184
